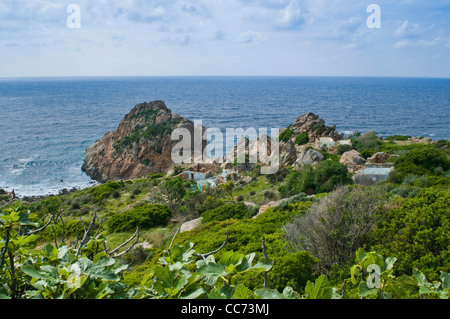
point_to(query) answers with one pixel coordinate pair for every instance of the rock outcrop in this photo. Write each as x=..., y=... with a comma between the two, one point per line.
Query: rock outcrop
x=289, y=152
x=309, y=156
x=141, y=144
x=353, y=160
x=190, y=225
x=315, y=127
x=378, y=158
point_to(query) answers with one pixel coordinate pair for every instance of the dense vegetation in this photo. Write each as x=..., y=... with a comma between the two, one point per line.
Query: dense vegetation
x=324, y=238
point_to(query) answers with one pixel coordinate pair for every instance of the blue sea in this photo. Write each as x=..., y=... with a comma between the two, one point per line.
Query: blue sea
x=46, y=124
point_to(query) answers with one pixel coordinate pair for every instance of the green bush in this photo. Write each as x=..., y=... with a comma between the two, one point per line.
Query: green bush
x=418, y=233
x=144, y=217
x=286, y=135
x=426, y=160
x=342, y=148
x=302, y=181
x=301, y=139
x=245, y=236
x=224, y=212
x=337, y=224
x=177, y=188
x=71, y=229
x=398, y=138
x=329, y=174
x=367, y=143
x=279, y=176
x=103, y=191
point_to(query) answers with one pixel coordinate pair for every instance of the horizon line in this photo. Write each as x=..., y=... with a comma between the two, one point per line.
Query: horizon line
x=216, y=76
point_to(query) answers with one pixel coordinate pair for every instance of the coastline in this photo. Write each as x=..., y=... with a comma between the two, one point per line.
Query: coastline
x=57, y=191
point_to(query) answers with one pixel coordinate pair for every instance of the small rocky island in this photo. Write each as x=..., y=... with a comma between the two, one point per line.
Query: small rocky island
x=140, y=145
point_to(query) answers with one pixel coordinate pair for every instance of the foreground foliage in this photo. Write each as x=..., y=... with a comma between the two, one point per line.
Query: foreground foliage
x=65, y=272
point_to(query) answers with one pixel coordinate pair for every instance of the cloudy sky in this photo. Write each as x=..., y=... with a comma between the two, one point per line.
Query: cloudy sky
x=224, y=37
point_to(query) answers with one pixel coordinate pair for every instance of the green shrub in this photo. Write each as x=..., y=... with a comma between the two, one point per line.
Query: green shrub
x=417, y=233
x=224, y=212
x=342, y=148
x=398, y=138
x=426, y=160
x=103, y=191
x=245, y=236
x=367, y=143
x=302, y=181
x=71, y=229
x=116, y=194
x=279, y=176
x=337, y=225
x=301, y=139
x=76, y=205
x=329, y=174
x=177, y=188
x=289, y=204
x=269, y=194
x=286, y=135
x=144, y=217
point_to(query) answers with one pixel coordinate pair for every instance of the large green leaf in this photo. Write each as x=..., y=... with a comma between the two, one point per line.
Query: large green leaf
x=445, y=279
x=321, y=289
x=31, y=271
x=263, y=264
x=169, y=282
x=290, y=293
x=231, y=258
x=242, y=292
x=212, y=269
x=365, y=291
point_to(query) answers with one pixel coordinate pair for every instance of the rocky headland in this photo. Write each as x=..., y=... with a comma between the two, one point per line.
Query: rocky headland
x=141, y=144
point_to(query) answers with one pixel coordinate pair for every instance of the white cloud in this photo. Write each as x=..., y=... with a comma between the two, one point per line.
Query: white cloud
x=292, y=16
x=408, y=30
x=249, y=37
x=417, y=43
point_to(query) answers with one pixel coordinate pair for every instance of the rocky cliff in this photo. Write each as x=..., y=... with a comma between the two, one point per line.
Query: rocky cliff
x=315, y=127
x=141, y=144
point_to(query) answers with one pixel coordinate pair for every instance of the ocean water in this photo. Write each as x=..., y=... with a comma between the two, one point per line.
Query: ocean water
x=46, y=124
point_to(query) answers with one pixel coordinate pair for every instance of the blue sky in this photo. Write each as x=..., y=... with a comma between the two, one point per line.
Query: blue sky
x=225, y=37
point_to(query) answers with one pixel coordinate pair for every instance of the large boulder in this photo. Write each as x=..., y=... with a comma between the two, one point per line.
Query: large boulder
x=378, y=158
x=190, y=225
x=288, y=153
x=353, y=160
x=309, y=156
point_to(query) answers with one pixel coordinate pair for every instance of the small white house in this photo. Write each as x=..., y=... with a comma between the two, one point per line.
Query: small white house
x=326, y=141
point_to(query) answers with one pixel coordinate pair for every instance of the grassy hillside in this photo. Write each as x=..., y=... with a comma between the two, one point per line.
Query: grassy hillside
x=306, y=237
